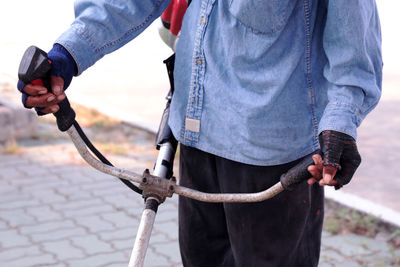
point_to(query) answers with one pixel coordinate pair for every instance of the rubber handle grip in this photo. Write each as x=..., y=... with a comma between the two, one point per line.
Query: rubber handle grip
x=35, y=67
x=298, y=173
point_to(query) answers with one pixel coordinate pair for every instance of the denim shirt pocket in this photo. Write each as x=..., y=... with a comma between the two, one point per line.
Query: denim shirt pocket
x=262, y=16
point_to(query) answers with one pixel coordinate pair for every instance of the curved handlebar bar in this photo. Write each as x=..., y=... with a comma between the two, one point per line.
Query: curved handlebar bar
x=92, y=161
x=294, y=176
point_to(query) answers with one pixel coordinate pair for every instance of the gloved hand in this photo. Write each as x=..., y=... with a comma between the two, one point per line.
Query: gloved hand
x=63, y=68
x=340, y=159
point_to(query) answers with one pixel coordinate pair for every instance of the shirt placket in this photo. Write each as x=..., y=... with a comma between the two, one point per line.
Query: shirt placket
x=195, y=101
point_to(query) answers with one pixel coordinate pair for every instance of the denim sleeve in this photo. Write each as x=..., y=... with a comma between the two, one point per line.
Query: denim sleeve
x=102, y=26
x=352, y=43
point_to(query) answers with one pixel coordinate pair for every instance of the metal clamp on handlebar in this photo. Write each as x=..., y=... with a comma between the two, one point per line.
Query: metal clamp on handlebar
x=157, y=187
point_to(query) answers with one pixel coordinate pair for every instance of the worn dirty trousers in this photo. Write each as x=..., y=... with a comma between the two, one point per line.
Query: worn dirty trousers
x=282, y=231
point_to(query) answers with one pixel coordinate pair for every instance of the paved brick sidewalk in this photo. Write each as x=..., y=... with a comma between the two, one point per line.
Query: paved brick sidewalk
x=57, y=211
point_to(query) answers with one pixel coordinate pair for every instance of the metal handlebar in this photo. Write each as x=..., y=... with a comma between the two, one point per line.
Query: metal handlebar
x=95, y=163
x=169, y=186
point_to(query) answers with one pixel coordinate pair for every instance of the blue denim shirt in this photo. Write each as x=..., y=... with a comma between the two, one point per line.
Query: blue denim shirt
x=256, y=81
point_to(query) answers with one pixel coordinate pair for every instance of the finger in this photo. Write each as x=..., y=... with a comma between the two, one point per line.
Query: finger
x=61, y=97
x=315, y=172
x=311, y=181
x=328, y=173
x=318, y=161
x=57, y=85
x=333, y=183
x=51, y=109
x=41, y=101
x=34, y=90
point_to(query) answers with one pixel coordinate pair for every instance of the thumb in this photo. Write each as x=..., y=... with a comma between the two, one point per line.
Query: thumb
x=57, y=85
x=328, y=173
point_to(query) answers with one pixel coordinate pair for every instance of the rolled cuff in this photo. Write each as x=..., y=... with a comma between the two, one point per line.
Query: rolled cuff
x=80, y=48
x=341, y=117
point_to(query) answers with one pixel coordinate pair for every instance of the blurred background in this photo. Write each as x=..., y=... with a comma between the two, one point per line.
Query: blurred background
x=130, y=85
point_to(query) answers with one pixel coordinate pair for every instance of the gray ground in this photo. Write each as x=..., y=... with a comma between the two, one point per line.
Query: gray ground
x=57, y=211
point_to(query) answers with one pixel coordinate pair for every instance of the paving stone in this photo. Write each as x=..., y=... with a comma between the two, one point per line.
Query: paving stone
x=34, y=170
x=47, y=227
x=11, y=238
x=44, y=213
x=123, y=244
x=325, y=264
x=107, y=191
x=19, y=252
x=63, y=250
x=48, y=196
x=44, y=183
x=170, y=250
x=60, y=264
x=376, y=260
x=353, y=245
x=72, y=173
x=17, y=217
x=119, y=234
x=7, y=189
x=95, y=223
x=95, y=175
x=346, y=248
x=176, y=264
x=9, y=172
x=109, y=183
x=79, y=196
x=169, y=228
x=350, y=263
x=39, y=260
x=104, y=259
x=326, y=234
x=120, y=219
x=368, y=243
x=77, y=204
x=154, y=259
x=3, y=225
x=73, y=193
x=171, y=203
x=7, y=160
x=19, y=203
x=165, y=215
x=132, y=203
x=119, y=264
x=91, y=244
x=160, y=237
x=58, y=234
x=66, y=190
x=13, y=196
x=330, y=255
x=88, y=211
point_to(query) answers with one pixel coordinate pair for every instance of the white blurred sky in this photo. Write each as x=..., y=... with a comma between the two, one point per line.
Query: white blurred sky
x=25, y=22
x=131, y=80
x=133, y=75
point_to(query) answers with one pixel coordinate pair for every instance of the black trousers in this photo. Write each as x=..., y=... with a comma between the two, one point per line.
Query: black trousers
x=282, y=231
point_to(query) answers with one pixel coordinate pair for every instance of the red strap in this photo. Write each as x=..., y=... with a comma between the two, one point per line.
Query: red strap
x=174, y=15
x=37, y=82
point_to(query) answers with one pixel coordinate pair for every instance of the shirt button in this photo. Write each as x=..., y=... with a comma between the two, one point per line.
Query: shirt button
x=199, y=61
x=203, y=20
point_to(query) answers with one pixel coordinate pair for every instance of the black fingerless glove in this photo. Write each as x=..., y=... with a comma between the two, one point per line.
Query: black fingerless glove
x=340, y=151
x=62, y=65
